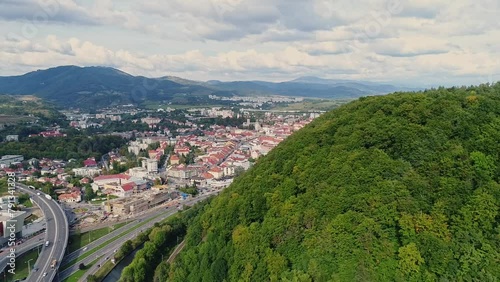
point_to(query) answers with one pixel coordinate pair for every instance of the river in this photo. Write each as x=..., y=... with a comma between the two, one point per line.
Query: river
x=115, y=274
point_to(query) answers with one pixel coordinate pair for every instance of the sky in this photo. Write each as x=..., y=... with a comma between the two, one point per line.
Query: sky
x=407, y=42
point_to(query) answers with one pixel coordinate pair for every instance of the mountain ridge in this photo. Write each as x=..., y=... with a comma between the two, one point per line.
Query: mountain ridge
x=104, y=86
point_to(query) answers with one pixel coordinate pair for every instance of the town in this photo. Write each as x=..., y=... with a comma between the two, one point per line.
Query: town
x=173, y=155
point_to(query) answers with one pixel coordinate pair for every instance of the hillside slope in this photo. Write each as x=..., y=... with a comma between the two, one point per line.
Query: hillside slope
x=403, y=187
x=91, y=87
x=97, y=87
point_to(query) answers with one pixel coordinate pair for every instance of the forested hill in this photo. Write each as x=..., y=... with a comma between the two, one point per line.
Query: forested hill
x=402, y=187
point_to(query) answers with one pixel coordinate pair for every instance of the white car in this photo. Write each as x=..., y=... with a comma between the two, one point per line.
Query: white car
x=38, y=193
x=44, y=274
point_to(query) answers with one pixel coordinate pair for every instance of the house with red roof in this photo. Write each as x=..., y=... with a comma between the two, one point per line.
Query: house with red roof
x=181, y=151
x=174, y=160
x=119, y=189
x=90, y=162
x=101, y=181
x=217, y=172
x=74, y=197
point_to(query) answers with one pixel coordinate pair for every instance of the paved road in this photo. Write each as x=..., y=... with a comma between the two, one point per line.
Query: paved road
x=21, y=249
x=57, y=235
x=132, y=222
x=107, y=252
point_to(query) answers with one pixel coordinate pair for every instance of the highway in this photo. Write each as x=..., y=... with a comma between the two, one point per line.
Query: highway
x=57, y=235
x=107, y=252
x=21, y=249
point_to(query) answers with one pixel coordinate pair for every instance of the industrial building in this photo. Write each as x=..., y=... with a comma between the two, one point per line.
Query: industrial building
x=135, y=205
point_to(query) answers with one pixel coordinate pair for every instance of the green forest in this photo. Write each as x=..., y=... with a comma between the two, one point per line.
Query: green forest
x=72, y=147
x=402, y=187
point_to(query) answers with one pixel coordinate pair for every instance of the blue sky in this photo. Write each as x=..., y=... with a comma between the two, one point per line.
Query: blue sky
x=412, y=42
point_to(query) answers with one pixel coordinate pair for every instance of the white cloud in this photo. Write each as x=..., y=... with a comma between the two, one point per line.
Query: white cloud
x=410, y=40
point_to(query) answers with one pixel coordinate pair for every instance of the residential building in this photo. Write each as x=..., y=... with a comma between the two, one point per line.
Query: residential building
x=174, y=160
x=217, y=172
x=151, y=165
x=139, y=172
x=74, y=197
x=87, y=171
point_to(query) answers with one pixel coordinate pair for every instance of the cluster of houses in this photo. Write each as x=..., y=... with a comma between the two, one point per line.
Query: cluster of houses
x=49, y=133
x=216, y=154
x=47, y=171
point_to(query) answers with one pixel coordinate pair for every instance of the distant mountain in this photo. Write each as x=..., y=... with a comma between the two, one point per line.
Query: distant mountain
x=311, y=87
x=91, y=87
x=96, y=87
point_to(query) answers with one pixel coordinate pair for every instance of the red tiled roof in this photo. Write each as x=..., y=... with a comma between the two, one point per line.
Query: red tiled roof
x=104, y=177
x=216, y=169
x=128, y=186
x=207, y=175
x=90, y=162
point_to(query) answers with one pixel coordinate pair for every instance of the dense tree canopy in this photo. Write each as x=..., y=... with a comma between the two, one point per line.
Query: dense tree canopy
x=71, y=147
x=403, y=187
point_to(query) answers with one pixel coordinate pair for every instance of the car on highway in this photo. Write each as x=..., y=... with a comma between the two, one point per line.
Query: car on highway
x=38, y=193
x=44, y=274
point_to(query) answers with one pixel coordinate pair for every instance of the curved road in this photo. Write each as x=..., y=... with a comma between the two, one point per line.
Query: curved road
x=57, y=235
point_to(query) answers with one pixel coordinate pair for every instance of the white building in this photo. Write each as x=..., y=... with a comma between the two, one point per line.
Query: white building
x=151, y=165
x=87, y=171
x=138, y=172
x=228, y=170
x=136, y=146
x=73, y=197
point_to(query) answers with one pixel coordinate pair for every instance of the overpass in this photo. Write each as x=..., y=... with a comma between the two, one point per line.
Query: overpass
x=56, y=234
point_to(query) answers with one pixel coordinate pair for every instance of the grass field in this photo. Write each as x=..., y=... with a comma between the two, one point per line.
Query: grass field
x=80, y=240
x=90, y=252
x=104, y=270
x=76, y=276
x=27, y=203
x=314, y=105
x=22, y=266
x=12, y=119
x=30, y=218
